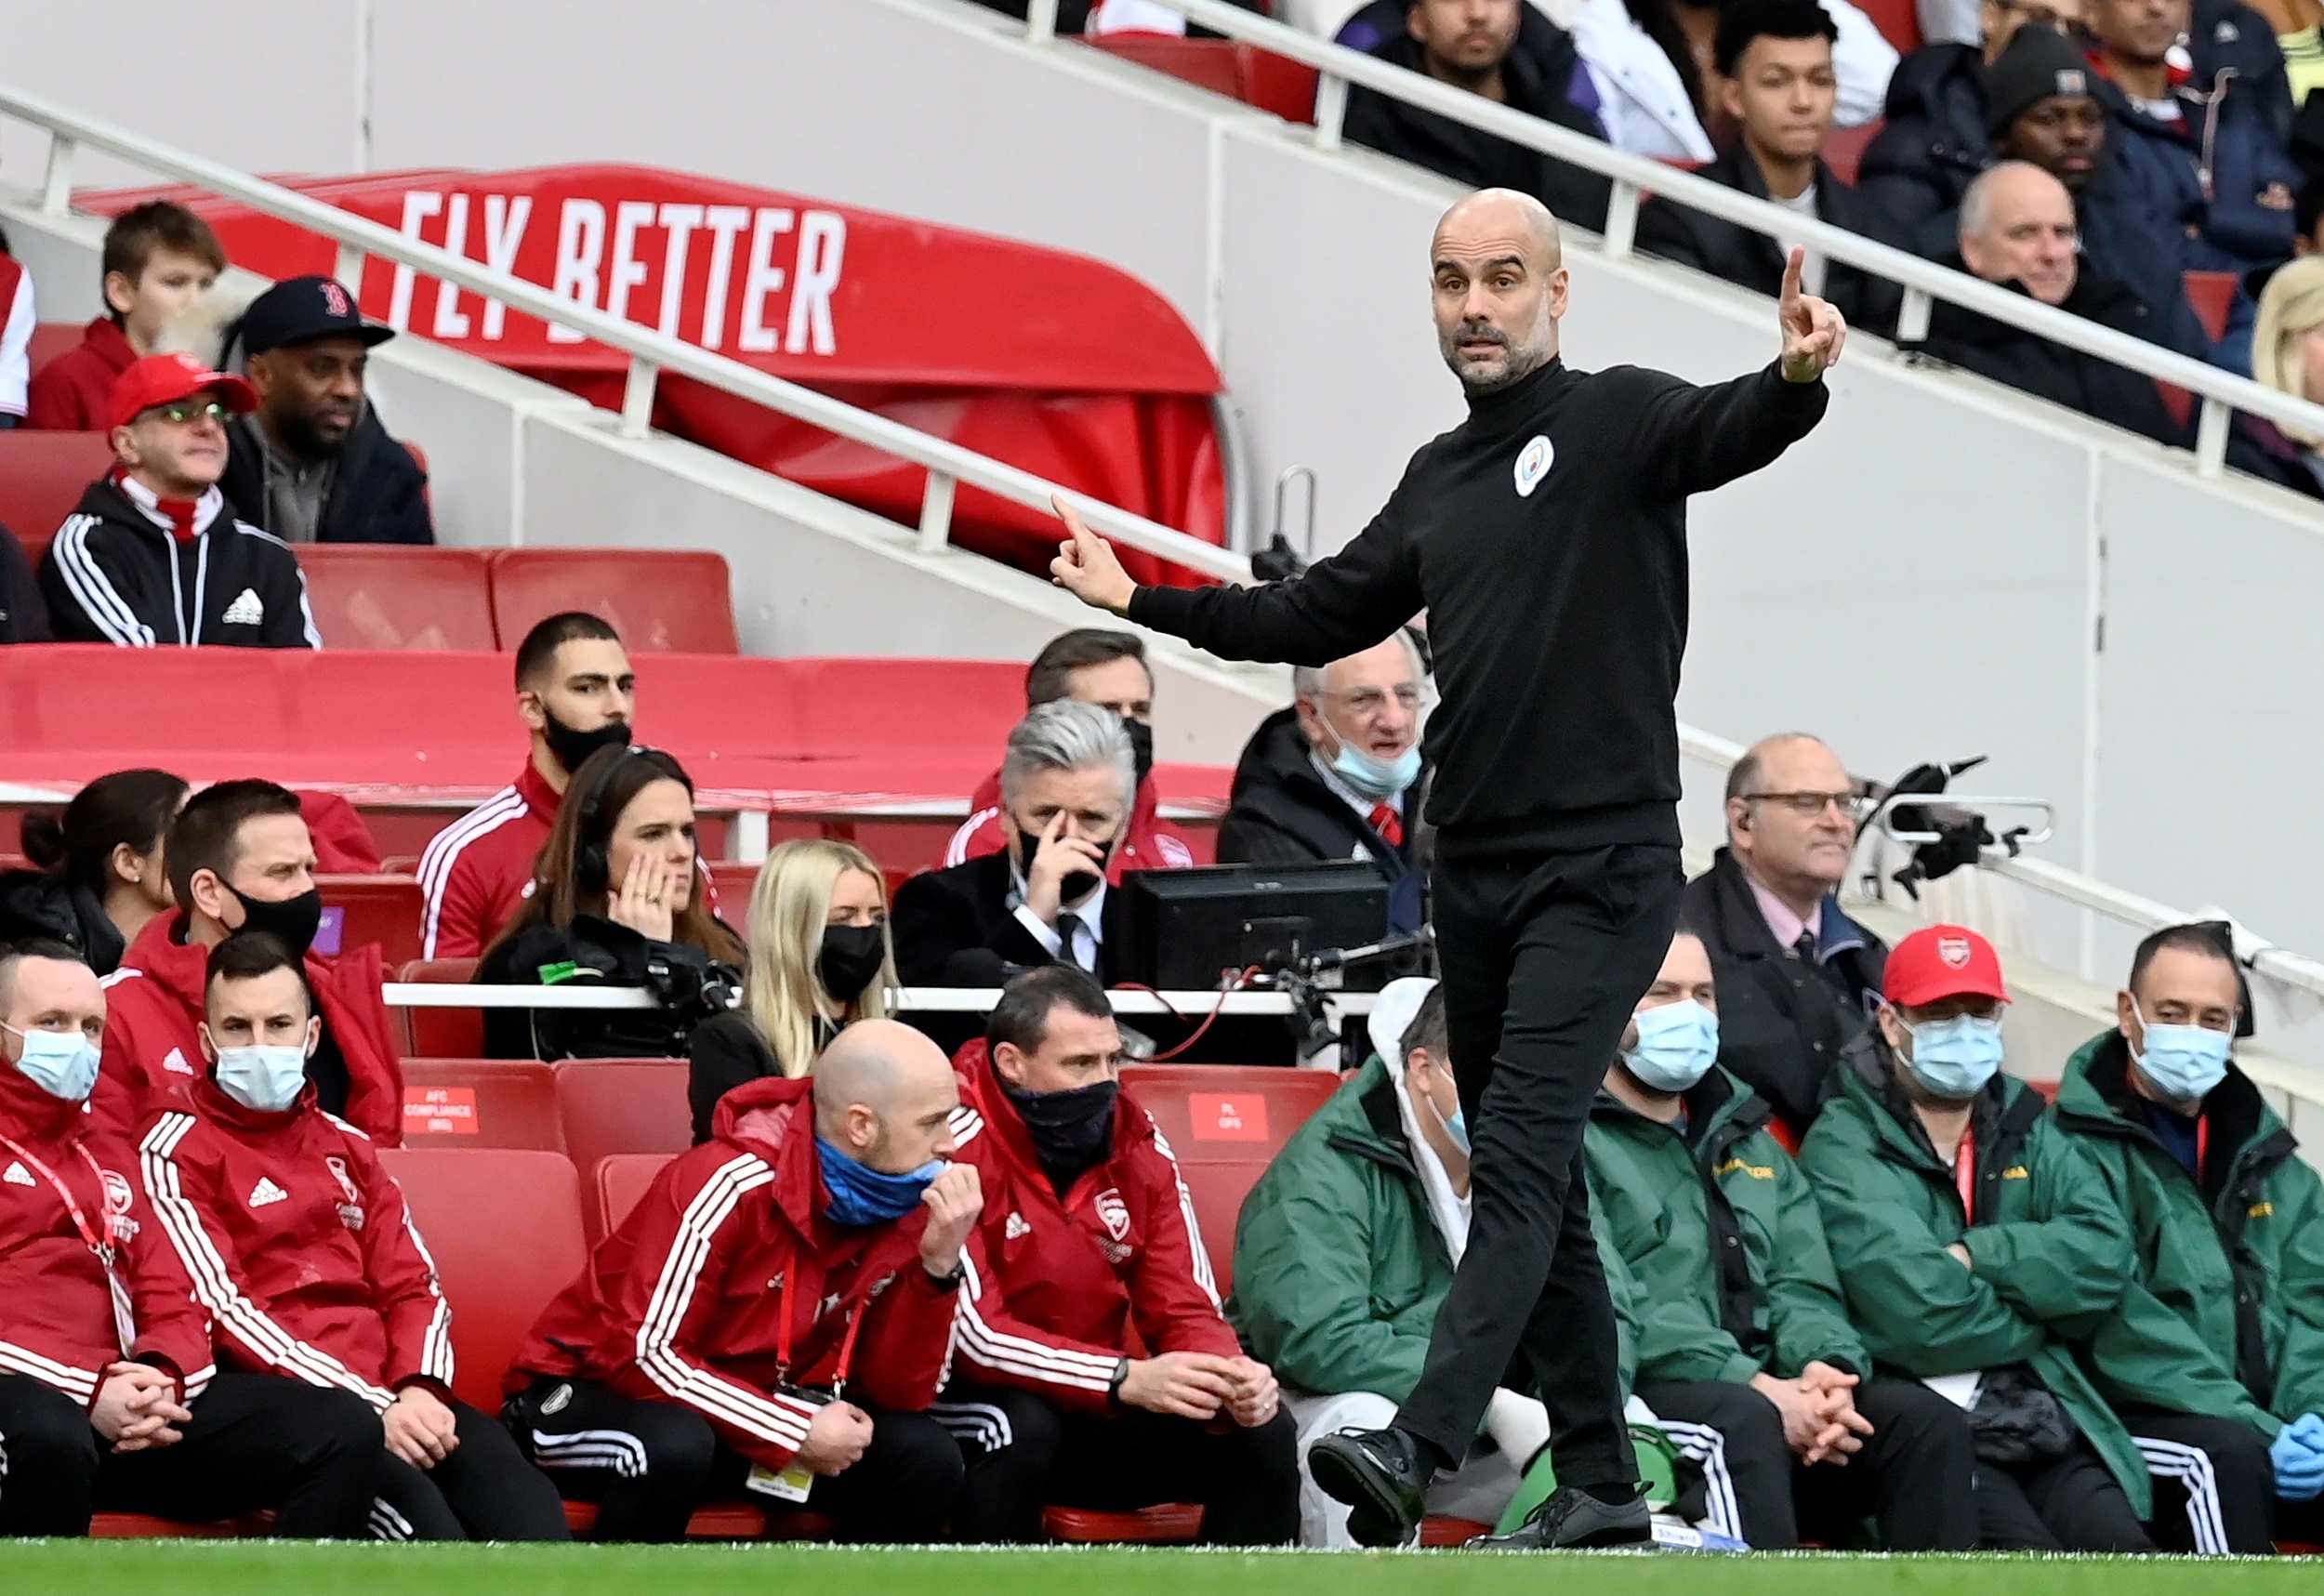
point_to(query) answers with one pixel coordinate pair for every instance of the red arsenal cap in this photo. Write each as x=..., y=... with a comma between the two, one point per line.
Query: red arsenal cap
x=165, y=379
x=1942, y=961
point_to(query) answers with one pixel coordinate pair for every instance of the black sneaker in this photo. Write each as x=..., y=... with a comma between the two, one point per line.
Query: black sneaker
x=1382, y=1477
x=1571, y=1518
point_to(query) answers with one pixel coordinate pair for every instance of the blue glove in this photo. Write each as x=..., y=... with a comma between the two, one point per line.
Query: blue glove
x=2298, y=1454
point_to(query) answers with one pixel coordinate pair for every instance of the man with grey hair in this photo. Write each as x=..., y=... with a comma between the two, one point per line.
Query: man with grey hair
x=1339, y=775
x=1066, y=783
x=1546, y=537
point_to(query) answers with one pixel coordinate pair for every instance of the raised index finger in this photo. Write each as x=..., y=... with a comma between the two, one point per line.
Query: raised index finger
x=1791, y=274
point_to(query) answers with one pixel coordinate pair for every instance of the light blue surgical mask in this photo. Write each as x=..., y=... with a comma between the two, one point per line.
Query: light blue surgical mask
x=1377, y=779
x=1953, y=1059
x=62, y=1063
x=265, y=1077
x=2183, y=1063
x=1677, y=1045
x=1458, y=1128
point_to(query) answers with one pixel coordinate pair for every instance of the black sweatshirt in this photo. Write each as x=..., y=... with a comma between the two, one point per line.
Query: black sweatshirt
x=1558, y=615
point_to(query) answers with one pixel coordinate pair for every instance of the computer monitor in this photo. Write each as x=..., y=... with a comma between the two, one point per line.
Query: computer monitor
x=1186, y=927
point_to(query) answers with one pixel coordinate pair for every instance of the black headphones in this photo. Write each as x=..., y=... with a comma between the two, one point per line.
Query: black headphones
x=592, y=870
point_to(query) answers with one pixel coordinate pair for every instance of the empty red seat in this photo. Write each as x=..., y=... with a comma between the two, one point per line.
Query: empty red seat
x=1843, y=149
x=1206, y=63
x=606, y=1106
x=480, y=1102
x=42, y=474
x=1277, y=84
x=442, y=1033
x=2212, y=295
x=383, y=596
x=503, y=1227
x=621, y=1178
x=360, y=909
x=733, y=882
x=50, y=339
x=1167, y=1524
x=661, y=600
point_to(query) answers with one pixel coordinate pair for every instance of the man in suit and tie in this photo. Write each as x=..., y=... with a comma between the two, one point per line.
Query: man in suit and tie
x=1066, y=786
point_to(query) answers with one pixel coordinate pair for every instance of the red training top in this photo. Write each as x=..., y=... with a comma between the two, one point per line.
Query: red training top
x=75, y=392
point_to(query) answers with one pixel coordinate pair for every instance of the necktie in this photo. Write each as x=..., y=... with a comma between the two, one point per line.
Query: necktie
x=1068, y=938
x=1388, y=823
x=1805, y=949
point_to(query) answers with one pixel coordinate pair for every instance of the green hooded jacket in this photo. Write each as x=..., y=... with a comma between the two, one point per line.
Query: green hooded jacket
x=1719, y=1230
x=2225, y=1314
x=2050, y=1255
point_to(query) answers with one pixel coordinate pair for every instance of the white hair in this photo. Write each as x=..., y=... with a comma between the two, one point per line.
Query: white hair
x=1067, y=735
x=1307, y=680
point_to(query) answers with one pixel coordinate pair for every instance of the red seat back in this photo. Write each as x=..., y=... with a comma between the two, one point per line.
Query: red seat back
x=621, y=1178
x=1844, y=150
x=2213, y=295
x=735, y=883
x=1206, y=63
x=661, y=600
x=385, y=596
x=50, y=339
x=442, y=1033
x=360, y=909
x=42, y=474
x=1898, y=20
x=503, y=1227
x=1275, y=84
x=606, y=1106
x=480, y=1102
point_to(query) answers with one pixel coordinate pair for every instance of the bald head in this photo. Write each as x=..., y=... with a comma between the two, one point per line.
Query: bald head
x=1497, y=278
x=1790, y=819
x=2018, y=226
x=884, y=1094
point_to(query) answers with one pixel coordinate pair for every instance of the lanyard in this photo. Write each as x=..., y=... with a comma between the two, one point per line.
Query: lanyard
x=1965, y=1174
x=783, y=1336
x=100, y=1243
x=2202, y=1146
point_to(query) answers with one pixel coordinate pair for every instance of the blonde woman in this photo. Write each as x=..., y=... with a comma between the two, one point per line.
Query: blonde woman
x=2287, y=355
x=820, y=959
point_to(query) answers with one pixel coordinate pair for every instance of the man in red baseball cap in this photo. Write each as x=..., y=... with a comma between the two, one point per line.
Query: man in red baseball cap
x=154, y=555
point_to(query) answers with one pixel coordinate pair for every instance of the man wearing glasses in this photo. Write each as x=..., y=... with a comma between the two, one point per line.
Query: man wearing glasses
x=1797, y=977
x=154, y=555
x=1339, y=775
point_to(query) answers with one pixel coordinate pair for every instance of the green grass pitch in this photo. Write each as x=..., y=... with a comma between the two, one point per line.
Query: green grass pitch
x=258, y=1568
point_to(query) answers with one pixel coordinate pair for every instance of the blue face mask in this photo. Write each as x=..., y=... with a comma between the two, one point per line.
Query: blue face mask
x=865, y=1196
x=1953, y=1059
x=62, y=1063
x=2183, y=1063
x=1458, y=1128
x=264, y=1077
x=1677, y=1045
x=1377, y=779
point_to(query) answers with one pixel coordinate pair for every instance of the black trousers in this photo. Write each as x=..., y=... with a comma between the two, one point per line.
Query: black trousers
x=254, y=1441
x=485, y=1490
x=1025, y=1453
x=2065, y=1504
x=2216, y=1487
x=1912, y=1476
x=648, y=1465
x=1543, y=959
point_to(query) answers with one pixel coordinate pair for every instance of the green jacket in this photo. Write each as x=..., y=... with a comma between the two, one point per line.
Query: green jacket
x=1720, y=1232
x=2225, y=1314
x=2050, y=1255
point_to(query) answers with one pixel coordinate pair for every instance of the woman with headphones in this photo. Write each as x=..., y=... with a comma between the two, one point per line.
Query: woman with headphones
x=616, y=900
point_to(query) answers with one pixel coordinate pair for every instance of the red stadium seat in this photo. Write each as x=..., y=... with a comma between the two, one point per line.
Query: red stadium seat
x=1167, y=1524
x=1273, y=84
x=621, y=1178
x=360, y=909
x=504, y=1226
x=661, y=600
x=442, y=1033
x=50, y=339
x=1844, y=150
x=1438, y=1532
x=2213, y=295
x=733, y=882
x=480, y=1102
x=622, y=1105
x=1898, y=20
x=1206, y=63
x=383, y=596
x=729, y=1521
x=145, y=1526
x=42, y=474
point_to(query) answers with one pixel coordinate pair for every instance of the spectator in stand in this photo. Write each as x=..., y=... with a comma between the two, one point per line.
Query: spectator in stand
x=619, y=902
x=2215, y=1356
x=1797, y=977
x=775, y=1316
x=820, y=960
x=1683, y=1174
x=1501, y=51
x=1776, y=81
x=154, y=554
x=240, y=860
x=109, y=1396
x=1340, y=775
x=100, y=876
x=1108, y=668
x=24, y=617
x=1066, y=786
x=159, y=259
x=298, y=1242
x=1345, y=1250
x=1975, y=1245
x=575, y=694
x=2287, y=355
x=313, y=464
x=1095, y=1368
x=2017, y=230
x=18, y=318
x=1110, y=16
x=2233, y=351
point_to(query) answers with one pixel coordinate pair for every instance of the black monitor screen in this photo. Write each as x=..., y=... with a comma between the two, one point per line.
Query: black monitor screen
x=1187, y=927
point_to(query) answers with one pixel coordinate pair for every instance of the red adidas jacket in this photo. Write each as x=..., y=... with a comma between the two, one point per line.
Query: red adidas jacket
x=56, y=1310
x=725, y=1259
x=1153, y=843
x=475, y=873
x=298, y=1244
x=153, y=1054
x=75, y=392
x=1057, y=1285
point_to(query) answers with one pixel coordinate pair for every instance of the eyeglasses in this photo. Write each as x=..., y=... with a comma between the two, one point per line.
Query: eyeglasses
x=1371, y=700
x=1808, y=806
x=184, y=413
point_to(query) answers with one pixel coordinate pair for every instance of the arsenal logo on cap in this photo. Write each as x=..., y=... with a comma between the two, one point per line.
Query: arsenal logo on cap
x=1954, y=951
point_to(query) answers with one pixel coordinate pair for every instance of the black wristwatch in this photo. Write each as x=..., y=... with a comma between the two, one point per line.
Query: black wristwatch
x=1114, y=1386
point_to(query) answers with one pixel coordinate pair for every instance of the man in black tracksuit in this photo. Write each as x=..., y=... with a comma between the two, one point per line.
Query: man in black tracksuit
x=1546, y=537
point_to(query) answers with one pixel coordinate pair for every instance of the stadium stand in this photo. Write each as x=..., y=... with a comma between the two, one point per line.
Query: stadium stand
x=42, y=474
x=481, y=1103
x=661, y=600
x=380, y=596
x=610, y=1106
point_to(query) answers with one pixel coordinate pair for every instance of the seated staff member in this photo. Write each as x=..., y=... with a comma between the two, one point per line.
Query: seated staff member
x=1066, y=784
x=99, y=879
x=819, y=960
x=1086, y=1254
x=619, y=902
x=127, y=1412
x=1344, y=1252
x=774, y=1314
x=1984, y=1308
x=575, y=694
x=2215, y=1357
x=299, y=1245
x=239, y=859
x=1741, y=1326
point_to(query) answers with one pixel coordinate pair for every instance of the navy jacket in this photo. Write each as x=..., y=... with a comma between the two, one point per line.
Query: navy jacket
x=2157, y=168
x=380, y=494
x=1934, y=146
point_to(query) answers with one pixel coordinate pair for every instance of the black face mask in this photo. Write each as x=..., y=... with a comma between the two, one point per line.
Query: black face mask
x=1141, y=747
x=1075, y=886
x=291, y=921
x=572, y=748
x=1072, y=1130
x=850, y=960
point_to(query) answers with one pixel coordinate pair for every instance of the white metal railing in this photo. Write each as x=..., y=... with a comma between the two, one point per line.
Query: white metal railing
x=909, y=999
x=1924, y=282
x=651, y=352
